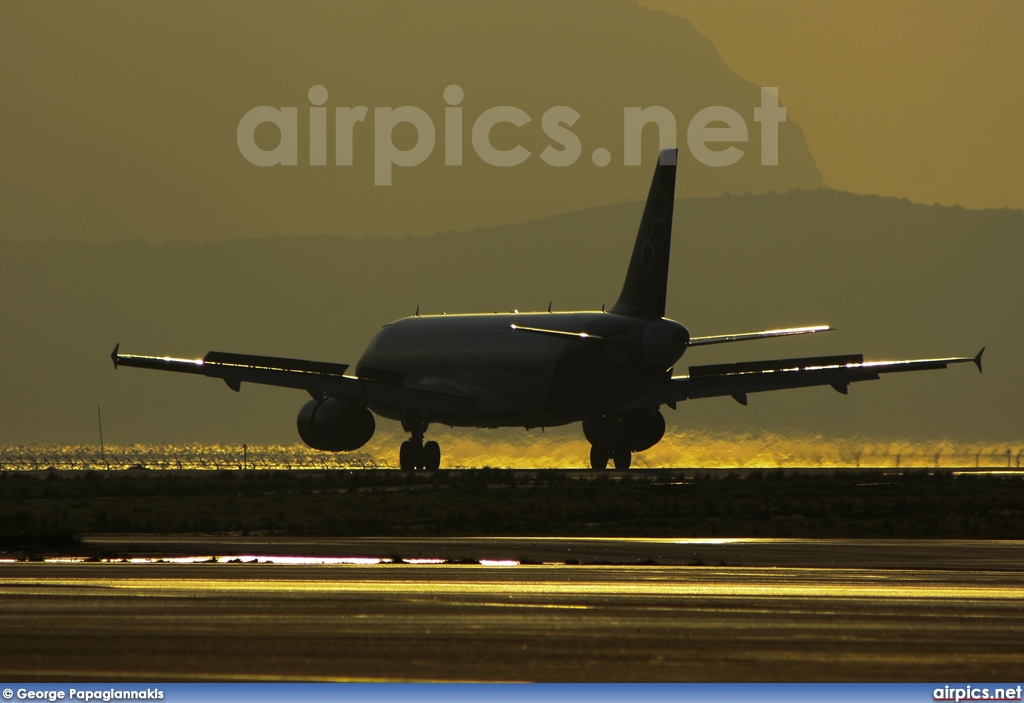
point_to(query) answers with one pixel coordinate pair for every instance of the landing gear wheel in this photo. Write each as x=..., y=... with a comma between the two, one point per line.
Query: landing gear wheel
x=413, y=455
x=431, y=456
x=598, y=458
x=622, y=458
x=407, y=455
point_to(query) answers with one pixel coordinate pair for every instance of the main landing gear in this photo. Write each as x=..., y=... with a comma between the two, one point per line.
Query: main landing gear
x=599, y=455
x=414, y=453
x=615, y=437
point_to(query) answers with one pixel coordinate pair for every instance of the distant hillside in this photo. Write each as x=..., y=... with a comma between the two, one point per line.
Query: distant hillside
x=126, y=125
x=896, y=279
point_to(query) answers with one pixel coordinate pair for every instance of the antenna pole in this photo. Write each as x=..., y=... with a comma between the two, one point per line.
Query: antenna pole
x=103, y=455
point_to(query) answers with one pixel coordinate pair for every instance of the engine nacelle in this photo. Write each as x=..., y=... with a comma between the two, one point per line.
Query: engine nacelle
x=636, y=430
x=332, y=426
x=644, y=428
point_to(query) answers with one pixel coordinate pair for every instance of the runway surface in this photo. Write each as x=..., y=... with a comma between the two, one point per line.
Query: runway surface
x=953, y=612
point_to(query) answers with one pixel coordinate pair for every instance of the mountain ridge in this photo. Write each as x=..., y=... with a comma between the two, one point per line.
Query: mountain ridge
x=898, y=280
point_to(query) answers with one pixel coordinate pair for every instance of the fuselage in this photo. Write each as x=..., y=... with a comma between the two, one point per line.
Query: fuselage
x=524, y=369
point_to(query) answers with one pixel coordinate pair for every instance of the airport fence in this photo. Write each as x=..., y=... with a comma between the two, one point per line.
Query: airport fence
x=178, y=457
x=207, y=457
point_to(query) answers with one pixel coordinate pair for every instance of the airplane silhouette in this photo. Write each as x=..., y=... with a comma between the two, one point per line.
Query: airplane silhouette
x=610, y=370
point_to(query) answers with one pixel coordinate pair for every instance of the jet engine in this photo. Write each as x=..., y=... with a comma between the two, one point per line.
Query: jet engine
x=333, y=426
x=635, y=430
x=643, y=428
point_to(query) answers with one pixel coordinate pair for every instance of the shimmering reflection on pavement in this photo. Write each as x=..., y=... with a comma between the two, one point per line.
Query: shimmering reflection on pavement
x=450, y=622
x=530, y=581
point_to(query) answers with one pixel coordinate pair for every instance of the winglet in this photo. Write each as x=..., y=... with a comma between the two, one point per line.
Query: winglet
x=113, y=354
x=977, y=359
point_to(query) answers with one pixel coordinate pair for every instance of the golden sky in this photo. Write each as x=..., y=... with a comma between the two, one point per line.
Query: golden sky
x=121, y=131
x=122, y=116
x=910, y=98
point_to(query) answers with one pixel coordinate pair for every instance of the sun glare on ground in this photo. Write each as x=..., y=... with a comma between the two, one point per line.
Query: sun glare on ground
x=536, y=450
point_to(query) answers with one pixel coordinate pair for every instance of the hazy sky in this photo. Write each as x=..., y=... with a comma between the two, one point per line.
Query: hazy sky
x=121, y=123
x=122, y=119
x=910, y=98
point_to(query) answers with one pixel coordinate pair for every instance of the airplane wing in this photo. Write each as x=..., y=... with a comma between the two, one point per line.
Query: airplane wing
x=319, y=378
x=737, y=380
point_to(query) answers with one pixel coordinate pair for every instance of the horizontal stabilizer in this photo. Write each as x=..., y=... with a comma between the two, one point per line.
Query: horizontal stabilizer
x=788, y=332
x=555, y=333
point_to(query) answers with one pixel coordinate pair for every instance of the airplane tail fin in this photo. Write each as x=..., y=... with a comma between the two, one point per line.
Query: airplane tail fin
x=643, y=293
